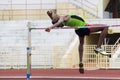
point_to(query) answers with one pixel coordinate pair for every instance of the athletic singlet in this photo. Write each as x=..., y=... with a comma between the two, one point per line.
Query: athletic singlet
x=75, y=22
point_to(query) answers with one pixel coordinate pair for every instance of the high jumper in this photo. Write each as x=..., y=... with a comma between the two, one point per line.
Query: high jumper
x=82, y=29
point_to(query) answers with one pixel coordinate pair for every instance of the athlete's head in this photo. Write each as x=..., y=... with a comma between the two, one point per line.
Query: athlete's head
x=55, y=19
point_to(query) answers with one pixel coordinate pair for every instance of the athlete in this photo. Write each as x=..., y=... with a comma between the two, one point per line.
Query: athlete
x=81, y=29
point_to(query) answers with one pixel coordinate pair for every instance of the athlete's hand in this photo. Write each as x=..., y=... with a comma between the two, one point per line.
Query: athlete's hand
x=47, y=29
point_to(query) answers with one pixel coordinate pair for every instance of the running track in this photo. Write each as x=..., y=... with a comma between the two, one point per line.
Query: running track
x=60, y=74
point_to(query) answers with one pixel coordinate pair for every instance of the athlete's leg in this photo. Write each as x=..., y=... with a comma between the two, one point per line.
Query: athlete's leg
x=104, y=31
x=80, y=49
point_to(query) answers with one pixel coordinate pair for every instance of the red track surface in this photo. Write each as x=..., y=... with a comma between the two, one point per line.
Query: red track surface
x=64, y=74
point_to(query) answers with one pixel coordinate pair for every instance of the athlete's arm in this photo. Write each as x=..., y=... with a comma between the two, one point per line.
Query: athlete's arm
x=55, y=25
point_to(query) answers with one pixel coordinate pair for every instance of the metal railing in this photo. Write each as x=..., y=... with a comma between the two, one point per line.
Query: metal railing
x=51, y=57
x=37, y=11
x=116, y=45
x=87, y=6
x=24, y=10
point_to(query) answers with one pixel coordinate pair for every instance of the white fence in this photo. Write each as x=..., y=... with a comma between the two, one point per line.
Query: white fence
x=14, y=39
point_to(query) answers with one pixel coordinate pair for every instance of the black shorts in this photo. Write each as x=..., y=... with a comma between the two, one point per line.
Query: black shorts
x=82, y=32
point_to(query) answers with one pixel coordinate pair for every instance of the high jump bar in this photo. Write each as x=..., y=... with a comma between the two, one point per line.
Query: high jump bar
x=81, y=27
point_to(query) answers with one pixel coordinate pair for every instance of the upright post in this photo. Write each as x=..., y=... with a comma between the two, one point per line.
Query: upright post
x=29, y=52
